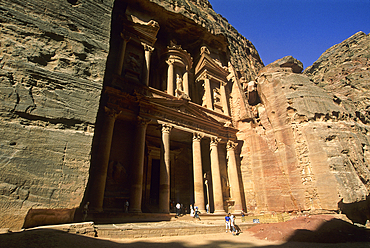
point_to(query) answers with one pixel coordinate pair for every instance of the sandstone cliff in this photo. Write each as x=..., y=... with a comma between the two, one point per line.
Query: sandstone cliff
x=308, y=146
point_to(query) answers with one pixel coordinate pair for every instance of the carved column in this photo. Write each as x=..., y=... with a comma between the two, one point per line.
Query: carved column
x=164, y=171
x=198, y=173
x=121, y=53
x=138, y=165
x=100, y=161
x=148, y=51
x=216, y=177
x=170, y=80
x=233, y=176
x=224, y=99
x=207, y=88
x=186, y=81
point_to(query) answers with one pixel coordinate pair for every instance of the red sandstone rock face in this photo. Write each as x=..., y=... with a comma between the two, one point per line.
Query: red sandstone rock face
x=308, y=148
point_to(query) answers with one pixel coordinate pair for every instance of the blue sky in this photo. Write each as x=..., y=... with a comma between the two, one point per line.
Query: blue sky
x=301, y=28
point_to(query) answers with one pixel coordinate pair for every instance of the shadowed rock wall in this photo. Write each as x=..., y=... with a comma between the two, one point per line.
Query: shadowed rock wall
x=52, y=62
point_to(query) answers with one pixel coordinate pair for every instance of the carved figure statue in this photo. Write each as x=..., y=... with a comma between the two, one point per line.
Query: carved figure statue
x=179, y=89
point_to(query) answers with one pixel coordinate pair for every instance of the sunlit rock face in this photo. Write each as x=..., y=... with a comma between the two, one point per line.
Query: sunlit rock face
x=308, y=149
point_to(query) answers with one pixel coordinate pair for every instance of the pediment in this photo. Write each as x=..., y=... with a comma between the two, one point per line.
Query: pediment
x=209, y=65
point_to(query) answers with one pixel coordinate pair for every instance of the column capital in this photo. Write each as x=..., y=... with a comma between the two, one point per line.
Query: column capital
x=170, y=61
x=197, y=136
x=125, y=36
x=231, y=145
x=166, y=128
x=142, y=121
x=112, y=113
x=147, y=47
x=215, y=141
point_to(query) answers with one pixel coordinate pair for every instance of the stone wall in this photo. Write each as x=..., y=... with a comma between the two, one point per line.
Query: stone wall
x=52, y=63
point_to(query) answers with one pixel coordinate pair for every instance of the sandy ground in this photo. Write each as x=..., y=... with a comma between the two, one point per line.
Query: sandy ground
x=306, y=231
x=58, y=239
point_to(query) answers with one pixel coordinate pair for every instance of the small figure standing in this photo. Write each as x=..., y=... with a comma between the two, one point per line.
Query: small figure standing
x=227, y=222
x=232, y=224
x=243, y=214
x=85, y=211
x=207, y=208
x=196, y=212
x=127, y=204
x=178, y=209
x=191, y=211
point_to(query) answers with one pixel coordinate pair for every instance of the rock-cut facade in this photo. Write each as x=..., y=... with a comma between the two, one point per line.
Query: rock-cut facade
x=123, y=105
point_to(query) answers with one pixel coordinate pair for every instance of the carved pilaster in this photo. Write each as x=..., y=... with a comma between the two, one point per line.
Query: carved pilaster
x=233, y=176
x=216, y=176
x=170, y=79
x=164, y=170
x=198, y=172
x=147, y=51
x=138, y=165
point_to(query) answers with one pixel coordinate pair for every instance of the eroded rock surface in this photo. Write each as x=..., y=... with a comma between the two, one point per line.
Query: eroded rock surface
x=308, y=149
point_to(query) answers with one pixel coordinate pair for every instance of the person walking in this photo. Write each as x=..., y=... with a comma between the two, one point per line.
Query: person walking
x=232, y=224
x=227, y=222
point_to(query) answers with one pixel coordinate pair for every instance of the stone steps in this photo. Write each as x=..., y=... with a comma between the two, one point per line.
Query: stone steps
x=123, y=232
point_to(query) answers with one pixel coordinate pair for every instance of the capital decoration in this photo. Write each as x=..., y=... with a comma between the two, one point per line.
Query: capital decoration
x=147, y=47
x=231, y=145
x=112, y=113
x=215, y=141
x=166, y=128
x=197, y=136
x=143, y=121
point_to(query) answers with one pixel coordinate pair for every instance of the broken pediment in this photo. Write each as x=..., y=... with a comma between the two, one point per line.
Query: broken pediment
x=146, y=32
x=207, y=66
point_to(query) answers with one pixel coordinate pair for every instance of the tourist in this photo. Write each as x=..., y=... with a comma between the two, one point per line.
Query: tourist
x=191, y=211
x=227, y=222
x=207, y=208
x=232, y=224
x=127, y=204
x=178, y=209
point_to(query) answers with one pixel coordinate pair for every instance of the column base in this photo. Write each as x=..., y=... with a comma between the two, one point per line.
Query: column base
x=219, y=212
x=136, y=211
x=202, y=211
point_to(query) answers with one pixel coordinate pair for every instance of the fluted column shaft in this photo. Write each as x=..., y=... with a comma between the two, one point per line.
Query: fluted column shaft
x=224, y=99
x=170, y=78
x=216, y=177
x=233, y=176
x=164, y=171
x=100, y=161
x=148, y=51
x=137, y=171
x=186, y=82
x=198, y=173
x=207, y=88
x=121, y=54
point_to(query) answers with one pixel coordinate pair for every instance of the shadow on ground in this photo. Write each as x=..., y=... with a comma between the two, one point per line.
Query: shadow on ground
x=58, y=239
x=333, y=231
